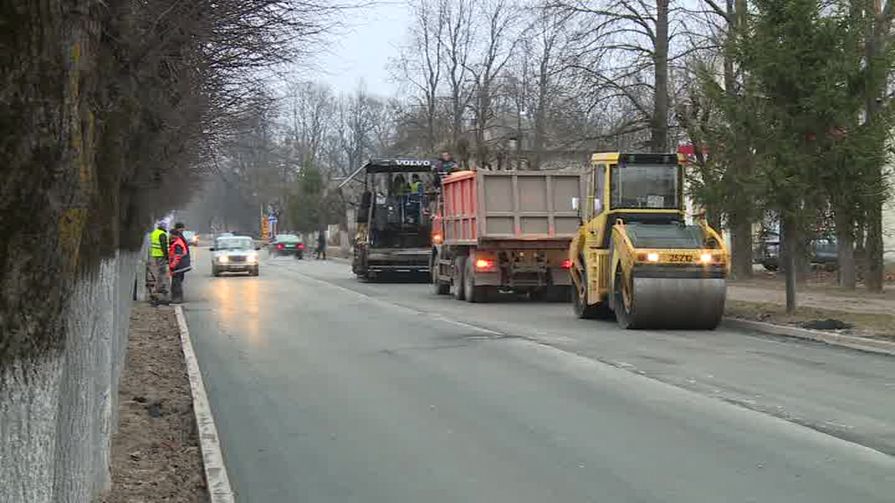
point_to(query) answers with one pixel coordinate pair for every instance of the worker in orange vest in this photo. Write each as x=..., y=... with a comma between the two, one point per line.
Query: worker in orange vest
x=178, y=261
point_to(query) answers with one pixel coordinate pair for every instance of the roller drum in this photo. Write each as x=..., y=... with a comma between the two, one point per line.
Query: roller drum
x=683, y=303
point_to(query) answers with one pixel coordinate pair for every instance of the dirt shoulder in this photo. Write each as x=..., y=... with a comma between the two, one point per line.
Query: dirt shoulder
x=815, y=298
x=155, y=452
x=822, y=305
x=866, y=324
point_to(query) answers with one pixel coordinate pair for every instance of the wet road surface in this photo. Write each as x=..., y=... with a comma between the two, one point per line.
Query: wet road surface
x=327, y=389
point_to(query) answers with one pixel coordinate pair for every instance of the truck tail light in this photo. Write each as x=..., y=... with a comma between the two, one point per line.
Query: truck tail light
x=567, y=264
x=280, y=246
x=301, y=246
x=484, y=264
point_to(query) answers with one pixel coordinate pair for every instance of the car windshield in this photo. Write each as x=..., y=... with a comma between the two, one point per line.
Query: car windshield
x=287, y=237
x=235, y=244
x=653, y=186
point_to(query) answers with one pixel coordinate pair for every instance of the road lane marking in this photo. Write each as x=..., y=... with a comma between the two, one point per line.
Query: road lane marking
x=218, y=483
x=444, y=319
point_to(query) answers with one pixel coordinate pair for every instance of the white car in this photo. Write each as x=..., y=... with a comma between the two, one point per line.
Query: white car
x=234, y=254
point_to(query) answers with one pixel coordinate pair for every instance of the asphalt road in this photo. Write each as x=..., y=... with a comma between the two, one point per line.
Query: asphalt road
x=330, y=390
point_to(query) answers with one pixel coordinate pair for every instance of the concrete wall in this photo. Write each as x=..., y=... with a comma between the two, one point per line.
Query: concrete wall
x=58, y=412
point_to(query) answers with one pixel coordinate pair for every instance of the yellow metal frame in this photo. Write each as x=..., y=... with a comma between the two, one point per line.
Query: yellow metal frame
x=601, y=263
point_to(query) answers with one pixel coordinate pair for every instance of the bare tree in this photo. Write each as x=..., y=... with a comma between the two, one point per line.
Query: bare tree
x=456, y=44
x=420, y=63
x=357, y=115
x=499, y=21
x=544, y=47
x=312, y=107
x=623, y=53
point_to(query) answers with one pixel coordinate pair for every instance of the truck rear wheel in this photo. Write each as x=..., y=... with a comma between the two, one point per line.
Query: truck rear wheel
x=624, y=302
x=472, y=292
x=457, y=278
x=438, y=287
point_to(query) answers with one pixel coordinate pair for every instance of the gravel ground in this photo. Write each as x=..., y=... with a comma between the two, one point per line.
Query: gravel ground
x=868, y=324
x=155, y=453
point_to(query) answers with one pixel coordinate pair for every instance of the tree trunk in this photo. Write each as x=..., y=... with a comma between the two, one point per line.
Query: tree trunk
x=482, y=152
x=740, y=246
x=537, y=146
x=873, y=277
x=659, y=120
x=803, y=262
x=845, y=252
x=430, y=125
x=456, y=119
x=875, y=270
x=788, y=253
x=739, y=216
x=540, y=125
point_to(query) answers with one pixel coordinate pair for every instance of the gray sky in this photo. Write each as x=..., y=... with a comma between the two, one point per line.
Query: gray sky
x=362, y=50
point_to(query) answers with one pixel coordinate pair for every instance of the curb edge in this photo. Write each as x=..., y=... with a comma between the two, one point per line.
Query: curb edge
x=833, y=339
x=216, y=479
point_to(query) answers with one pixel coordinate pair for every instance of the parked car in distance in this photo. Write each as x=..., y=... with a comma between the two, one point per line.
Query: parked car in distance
x=234, y=254
x=287, y=244
x=822, y=251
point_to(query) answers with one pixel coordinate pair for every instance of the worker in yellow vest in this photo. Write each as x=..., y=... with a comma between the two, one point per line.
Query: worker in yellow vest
x=157, y=274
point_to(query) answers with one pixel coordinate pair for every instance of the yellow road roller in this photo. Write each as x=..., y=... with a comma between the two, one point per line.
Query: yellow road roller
x=636, y=257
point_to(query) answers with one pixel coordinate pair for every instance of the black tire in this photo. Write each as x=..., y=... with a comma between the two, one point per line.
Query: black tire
x=438, y=287
x=584, y=310
x=625, y=315
x=457, y=278
x=299, y=256
x=255, y=272
x=471, y=292
x=215, y=272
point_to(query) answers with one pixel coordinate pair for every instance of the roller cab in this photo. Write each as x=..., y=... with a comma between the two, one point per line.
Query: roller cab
x=634, y=255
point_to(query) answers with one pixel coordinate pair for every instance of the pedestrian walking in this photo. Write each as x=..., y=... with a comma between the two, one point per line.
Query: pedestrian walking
x=179, y=262
x=157, y=277
x=321, y=244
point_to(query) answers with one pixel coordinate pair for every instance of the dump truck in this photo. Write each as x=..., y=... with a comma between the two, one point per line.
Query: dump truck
x=635, y=255
x=393, y=218
x=504, y=231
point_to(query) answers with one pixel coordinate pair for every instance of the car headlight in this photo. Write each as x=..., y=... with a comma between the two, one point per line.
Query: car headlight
x=252, y=258
x=223, y=259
